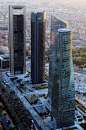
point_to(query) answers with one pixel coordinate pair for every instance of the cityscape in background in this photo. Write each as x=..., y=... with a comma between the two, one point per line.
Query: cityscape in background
x=42, y=65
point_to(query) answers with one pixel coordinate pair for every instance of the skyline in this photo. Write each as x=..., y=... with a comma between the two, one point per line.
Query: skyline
x=19, y=92
x=75, y=16
x=18, y=85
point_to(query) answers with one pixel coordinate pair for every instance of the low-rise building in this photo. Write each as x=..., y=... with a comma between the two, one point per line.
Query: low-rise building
x=4, y=61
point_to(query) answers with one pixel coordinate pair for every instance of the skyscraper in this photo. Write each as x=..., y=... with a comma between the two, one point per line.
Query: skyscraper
x=17, y=40
x=38, y=47
x=63, y=94
x=56, y=23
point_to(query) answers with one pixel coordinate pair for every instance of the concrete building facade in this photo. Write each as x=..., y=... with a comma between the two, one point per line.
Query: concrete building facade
x=17, y=40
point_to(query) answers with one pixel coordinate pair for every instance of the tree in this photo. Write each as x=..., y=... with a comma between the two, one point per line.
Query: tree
x=12, y=128
x=1, y=106
x=4, y=113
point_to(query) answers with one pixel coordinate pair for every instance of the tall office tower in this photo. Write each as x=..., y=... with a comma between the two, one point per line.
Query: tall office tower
x=17, y=40
x=63, y=94
x=56, y=23
x=38, y=47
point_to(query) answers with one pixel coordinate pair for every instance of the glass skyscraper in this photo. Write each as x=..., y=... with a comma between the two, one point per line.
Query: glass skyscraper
x=38, y=47
x=63, y=94
x=56, y=23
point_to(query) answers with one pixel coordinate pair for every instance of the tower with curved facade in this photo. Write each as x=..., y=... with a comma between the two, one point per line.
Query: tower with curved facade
x=63, y=93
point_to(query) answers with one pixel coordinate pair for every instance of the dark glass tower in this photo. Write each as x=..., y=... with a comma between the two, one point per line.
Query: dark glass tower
x=56, y=23
x=63, y=94
x=38, y=47
x=17, y=40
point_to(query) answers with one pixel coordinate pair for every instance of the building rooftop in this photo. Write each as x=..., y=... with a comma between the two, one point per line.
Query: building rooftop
x=59, y=18
x=64, y=29
x=4, y=57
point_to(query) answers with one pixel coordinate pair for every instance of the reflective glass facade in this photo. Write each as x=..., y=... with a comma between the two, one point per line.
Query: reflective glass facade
x=63, y=94
x=38, y=47
x=18, y=41
x=56, y=23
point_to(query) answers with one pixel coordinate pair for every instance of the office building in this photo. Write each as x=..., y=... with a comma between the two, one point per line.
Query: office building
x=38, y=47
x=63, y=94
x=56, y=23
x=4, y=61
x=17, y=40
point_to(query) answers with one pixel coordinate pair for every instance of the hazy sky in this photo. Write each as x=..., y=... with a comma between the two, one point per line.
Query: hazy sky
x=50, y=0
x=77, y=2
